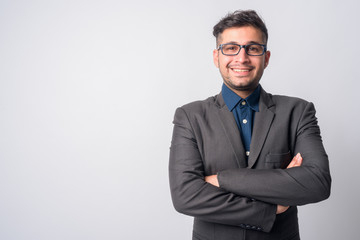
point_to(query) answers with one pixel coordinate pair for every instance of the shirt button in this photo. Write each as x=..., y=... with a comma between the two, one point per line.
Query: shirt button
x=247, y=153
x=243, y=103
x=244, y=121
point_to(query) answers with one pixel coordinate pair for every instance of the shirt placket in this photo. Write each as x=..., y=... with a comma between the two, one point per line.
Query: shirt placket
x=245, y=125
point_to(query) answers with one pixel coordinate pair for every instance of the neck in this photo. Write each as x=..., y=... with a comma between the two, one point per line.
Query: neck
x=242, y=92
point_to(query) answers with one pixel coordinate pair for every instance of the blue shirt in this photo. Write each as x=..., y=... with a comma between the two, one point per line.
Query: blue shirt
x=243, y=110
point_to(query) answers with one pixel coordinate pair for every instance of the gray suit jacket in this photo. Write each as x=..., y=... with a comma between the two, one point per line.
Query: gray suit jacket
x=206, y=141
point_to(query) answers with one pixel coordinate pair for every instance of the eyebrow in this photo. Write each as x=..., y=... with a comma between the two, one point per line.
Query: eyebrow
x=251, y=42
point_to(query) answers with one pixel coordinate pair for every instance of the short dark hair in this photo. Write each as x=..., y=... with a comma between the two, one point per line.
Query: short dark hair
x=240, y=18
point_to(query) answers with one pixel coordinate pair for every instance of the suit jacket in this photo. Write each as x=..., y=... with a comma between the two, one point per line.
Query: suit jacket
x=206, y=141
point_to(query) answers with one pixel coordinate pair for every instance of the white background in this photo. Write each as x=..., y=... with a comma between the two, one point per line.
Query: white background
x=88, y=90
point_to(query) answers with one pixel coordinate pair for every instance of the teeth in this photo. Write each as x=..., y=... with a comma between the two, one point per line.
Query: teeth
x=241, y=70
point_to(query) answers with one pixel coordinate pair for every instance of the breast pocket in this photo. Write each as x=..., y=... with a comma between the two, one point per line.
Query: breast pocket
x=278, y=160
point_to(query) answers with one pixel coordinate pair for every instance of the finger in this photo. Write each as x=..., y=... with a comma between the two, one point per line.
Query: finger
x=293, y=161
x=299, y=160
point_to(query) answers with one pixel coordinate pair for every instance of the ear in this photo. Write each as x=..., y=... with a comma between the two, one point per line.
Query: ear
x=216, y=57
x=267, y=58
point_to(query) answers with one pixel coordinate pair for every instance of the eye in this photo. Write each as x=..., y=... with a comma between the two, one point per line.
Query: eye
x=230, y=48
x=254, y=48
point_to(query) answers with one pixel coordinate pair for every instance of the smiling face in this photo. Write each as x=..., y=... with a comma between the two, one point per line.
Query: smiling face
x=242, y=72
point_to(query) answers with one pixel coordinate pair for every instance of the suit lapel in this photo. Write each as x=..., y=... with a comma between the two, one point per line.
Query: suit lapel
x=231, y=130
x=262, y=123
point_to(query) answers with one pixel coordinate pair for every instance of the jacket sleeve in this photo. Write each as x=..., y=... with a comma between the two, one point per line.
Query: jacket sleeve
x=192, y=196
x=308, y=183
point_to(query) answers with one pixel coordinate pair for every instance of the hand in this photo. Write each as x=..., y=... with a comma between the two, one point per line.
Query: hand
x=295, y=162
x=212, y=180
x=280, y=209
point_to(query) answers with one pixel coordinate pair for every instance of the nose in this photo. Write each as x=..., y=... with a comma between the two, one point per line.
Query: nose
x=242, y=57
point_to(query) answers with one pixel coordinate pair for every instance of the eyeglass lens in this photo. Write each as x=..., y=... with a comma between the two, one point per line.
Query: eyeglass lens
x=251, y=49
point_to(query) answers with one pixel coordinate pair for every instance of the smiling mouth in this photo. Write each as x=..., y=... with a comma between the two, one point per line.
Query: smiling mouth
x=241, y=70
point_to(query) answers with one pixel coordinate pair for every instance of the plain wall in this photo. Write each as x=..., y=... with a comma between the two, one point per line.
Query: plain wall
x=88, y=90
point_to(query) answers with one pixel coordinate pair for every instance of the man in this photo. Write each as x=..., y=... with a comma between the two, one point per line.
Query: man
x=241, y=161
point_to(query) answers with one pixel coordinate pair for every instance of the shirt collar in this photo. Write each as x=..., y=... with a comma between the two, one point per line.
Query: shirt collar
x=232, y=99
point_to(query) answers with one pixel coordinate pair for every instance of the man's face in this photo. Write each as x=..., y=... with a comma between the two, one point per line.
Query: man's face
x=242, y=72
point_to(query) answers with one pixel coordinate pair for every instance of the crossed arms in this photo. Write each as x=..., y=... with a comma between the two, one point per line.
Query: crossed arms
x=295, y=162
x=244, y=195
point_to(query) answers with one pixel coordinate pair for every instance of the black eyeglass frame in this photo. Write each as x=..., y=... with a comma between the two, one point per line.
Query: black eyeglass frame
x=242, y=46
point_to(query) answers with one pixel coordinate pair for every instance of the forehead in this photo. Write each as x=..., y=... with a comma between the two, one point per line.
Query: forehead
x=242, y=35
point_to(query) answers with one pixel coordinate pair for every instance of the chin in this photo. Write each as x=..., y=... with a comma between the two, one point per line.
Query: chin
x=243, y=86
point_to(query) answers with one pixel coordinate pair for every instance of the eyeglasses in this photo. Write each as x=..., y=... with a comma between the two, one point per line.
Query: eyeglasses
x=232, y=49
